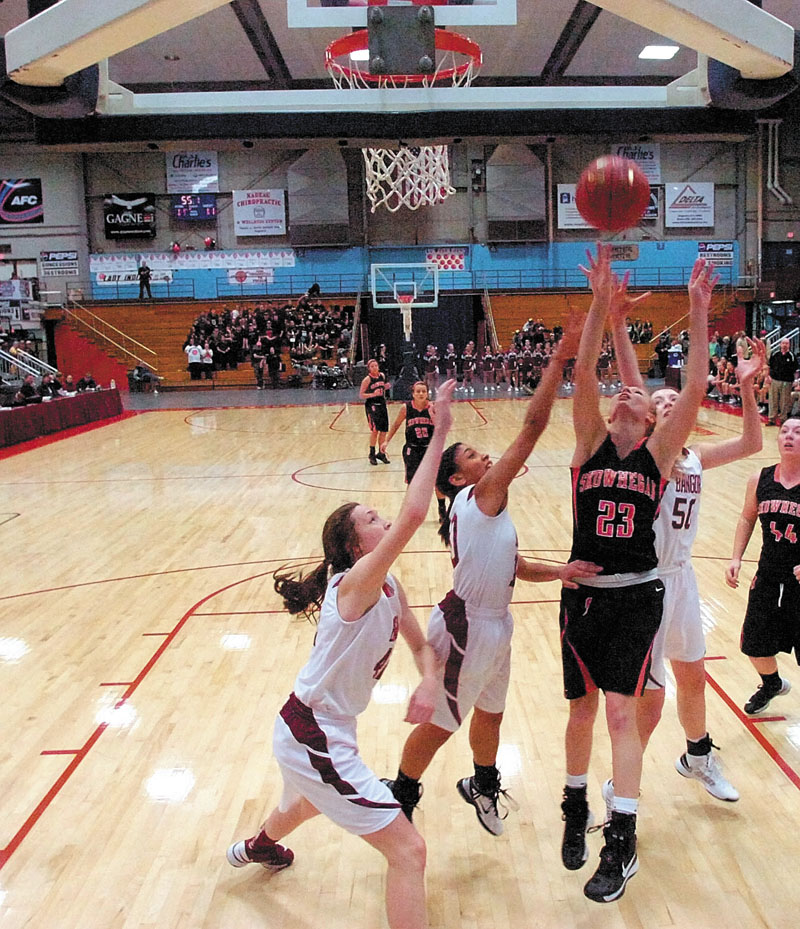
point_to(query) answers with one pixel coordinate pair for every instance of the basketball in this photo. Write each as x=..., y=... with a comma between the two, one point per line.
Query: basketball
x=612, y=193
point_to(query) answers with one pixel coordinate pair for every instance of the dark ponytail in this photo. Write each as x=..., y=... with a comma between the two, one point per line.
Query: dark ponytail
x=304, y=593
x=447, y=468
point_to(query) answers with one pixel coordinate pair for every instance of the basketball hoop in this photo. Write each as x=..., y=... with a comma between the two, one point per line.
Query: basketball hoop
x=408, y=176
x=406, y=302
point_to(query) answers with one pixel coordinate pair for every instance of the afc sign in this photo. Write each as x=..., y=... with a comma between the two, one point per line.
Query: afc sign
x=21, y=201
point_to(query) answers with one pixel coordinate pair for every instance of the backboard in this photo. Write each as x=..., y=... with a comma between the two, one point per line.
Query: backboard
x=393, y=283
x=326, y=13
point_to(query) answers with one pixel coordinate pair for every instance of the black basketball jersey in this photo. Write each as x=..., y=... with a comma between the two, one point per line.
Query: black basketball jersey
x=419, y=426
x=374, y=384
x=779, y=514
x=614, y=503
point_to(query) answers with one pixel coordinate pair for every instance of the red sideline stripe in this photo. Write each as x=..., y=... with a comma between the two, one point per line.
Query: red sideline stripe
x=21, y=447
x=754, y=731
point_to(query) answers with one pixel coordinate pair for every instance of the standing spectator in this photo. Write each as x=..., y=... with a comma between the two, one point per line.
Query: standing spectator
x=144, y=280
x=782, y=365
x=207, y=358
x=273, y=364
x=194, y=355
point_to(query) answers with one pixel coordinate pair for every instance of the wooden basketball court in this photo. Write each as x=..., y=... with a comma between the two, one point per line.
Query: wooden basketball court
x=144, y=655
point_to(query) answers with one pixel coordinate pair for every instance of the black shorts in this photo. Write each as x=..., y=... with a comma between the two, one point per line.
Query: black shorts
x=772, y=621
x=377, y=417
x=412, y=458
x=607, y=637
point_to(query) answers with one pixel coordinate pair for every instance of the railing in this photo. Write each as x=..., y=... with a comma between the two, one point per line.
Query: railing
x=293, y=285
x=86, y=320
x=13, y=366
x=78, y=291
x=40, y=367
x=351, y=352
x=774, y=338
x=489, y=316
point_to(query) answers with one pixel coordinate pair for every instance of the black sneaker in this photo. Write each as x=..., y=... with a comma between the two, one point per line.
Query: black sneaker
x=408, y=804
x=381, y=456
x=762, y=698
x=618, y=861
x=577, y=819
x=274, y=858
x=373, y=460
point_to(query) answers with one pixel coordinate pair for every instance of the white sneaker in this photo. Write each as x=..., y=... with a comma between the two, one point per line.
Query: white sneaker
x=486, y=804
x=707, y=770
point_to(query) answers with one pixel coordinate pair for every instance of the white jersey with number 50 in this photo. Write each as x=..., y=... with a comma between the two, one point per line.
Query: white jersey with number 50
x=676, y=524
x=484, y=552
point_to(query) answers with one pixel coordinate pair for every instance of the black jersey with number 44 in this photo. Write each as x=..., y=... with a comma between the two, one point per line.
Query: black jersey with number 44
x=614, y=503
x=779, y=514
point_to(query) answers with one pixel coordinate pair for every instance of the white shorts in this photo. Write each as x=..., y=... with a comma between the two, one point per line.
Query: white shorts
x=319, y=760
x=476, y=675
x=680, y=635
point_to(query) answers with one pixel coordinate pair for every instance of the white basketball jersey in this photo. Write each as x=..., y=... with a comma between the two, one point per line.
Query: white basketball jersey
x=676, y=524
x=347, y=658
x=484, y=553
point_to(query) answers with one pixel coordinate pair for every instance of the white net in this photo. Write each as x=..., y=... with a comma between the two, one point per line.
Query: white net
x=407, y=176
x=406, y=303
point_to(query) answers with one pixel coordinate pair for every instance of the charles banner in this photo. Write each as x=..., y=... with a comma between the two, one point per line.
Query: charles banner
x=259, y=212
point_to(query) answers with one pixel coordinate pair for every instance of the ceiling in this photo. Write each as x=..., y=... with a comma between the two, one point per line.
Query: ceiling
x=248, y=45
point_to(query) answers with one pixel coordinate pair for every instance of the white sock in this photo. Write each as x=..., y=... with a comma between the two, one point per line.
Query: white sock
x=625, y=805
x=576, y=780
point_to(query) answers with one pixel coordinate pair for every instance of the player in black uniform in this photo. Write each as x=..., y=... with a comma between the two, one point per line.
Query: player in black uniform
x=608, y=624
x=773, y=606
x=373, y=393
x=419, y=415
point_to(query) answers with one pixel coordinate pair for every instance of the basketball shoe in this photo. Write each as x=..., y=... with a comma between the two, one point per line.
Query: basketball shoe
x=618, y=861
x=381, y=456
x=408, y=801
x=486, y=805
x=707, y=770
x=274, y=858
x=762, y=698
x=578, y=819
x=373, y=460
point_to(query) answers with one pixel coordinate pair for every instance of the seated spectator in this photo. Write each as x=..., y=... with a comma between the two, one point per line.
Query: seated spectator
x=50, y=387
x=69, y=388
x=142, y=377
x=87, y=382
x=27, y=392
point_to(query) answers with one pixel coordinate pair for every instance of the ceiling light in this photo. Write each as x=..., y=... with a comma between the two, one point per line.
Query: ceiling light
x=661, y=52
x=360, y=54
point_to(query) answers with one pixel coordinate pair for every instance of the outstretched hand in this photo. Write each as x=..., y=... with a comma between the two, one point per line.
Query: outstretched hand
x=444, y=412
x=571, y=337
x=621, y=301
x=599, y=274
x=701, y=284
x=748, y=368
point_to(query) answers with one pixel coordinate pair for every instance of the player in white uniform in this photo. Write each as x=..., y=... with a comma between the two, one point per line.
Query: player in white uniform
x=362, y=609
x=680, y=637
x=471, y=628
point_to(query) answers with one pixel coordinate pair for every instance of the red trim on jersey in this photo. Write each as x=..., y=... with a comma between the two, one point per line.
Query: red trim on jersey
x=454, y=611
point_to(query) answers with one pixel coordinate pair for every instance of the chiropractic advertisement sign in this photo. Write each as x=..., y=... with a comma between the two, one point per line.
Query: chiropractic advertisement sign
x=259, y=212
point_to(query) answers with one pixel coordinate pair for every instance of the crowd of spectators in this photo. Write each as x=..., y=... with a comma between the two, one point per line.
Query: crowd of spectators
x=310, y=332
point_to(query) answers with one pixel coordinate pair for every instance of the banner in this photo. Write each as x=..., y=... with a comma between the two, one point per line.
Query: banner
x=131, y=277
x=129, y=216
x=568, y=215
x=58, y=264
x=447, y=259
x=21, y=201
x=259, y=212
x=192, y=172
x=646, y=155
x=203, y=261
x=718, y=253
x=690, y=204
x=251, y=276
x=112, y=263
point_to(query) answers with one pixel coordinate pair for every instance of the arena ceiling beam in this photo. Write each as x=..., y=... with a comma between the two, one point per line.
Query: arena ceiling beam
x=75, y=34
x=735, y=32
